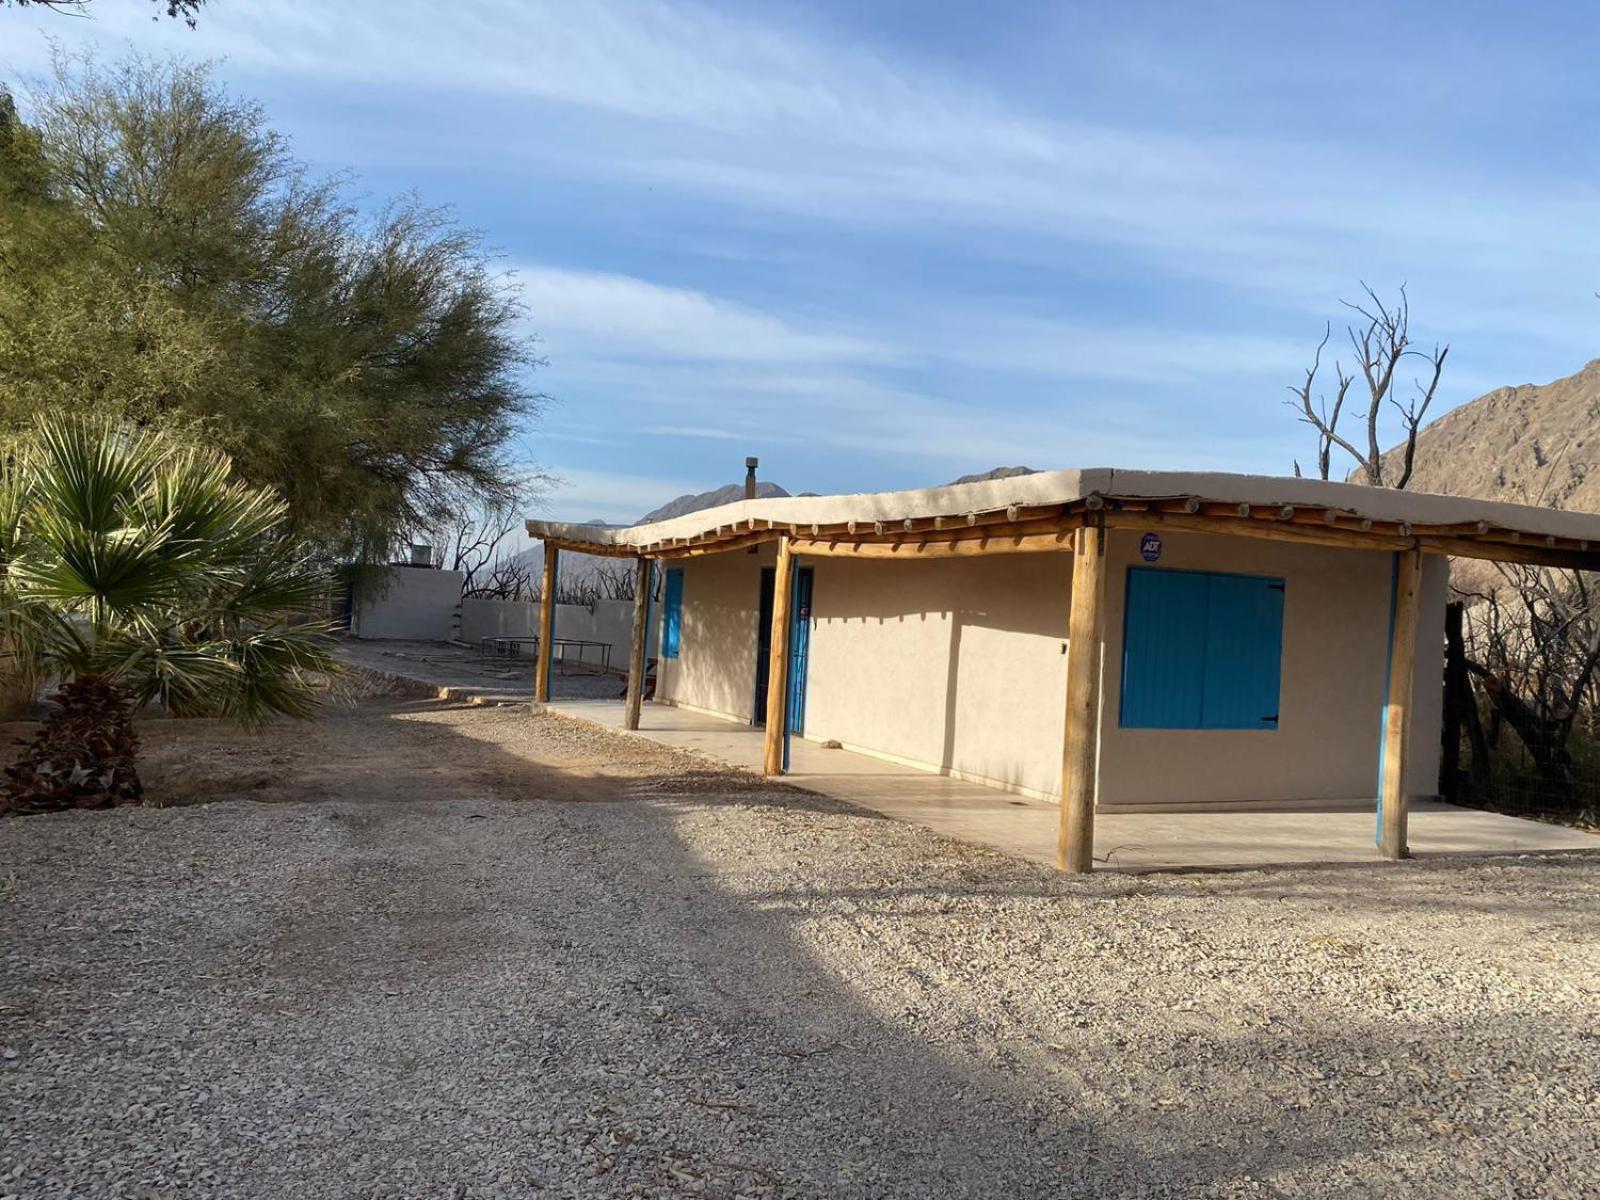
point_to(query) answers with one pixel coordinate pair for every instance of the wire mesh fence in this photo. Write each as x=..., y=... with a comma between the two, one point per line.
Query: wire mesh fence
x=1509, y=780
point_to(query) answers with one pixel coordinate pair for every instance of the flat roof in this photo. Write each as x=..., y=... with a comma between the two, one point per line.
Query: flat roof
x=1354, y=509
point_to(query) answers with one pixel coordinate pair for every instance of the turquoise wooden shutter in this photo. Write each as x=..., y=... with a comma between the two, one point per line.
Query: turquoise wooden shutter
x=672, y=615
x=1201, y=650
x=1244, y=652
x=1163, y=650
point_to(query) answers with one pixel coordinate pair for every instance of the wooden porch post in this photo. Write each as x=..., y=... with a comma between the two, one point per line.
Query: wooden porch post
x=1085, y=629
x=641, y=626
x=1397, y=711
x=547, y=626
x=778, y=660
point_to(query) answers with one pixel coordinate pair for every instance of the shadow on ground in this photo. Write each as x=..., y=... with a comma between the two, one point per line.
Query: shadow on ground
x=482, y=950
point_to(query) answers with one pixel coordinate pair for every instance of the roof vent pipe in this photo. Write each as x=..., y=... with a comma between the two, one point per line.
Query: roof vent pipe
x=750, y=465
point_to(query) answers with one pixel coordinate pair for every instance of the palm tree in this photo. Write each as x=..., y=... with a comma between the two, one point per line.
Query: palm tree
x=136, y=570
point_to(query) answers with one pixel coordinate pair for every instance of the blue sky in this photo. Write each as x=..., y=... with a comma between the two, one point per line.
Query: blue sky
x=881, y=245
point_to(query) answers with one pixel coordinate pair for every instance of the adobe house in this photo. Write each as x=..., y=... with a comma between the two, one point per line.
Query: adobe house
x=1117, y=640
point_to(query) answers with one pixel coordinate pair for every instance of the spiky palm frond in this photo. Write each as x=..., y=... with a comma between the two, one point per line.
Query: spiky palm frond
x=128, y=556
x=278, y=673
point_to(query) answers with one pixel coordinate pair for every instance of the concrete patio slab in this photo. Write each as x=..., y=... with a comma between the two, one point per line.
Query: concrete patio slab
x=1125, y=841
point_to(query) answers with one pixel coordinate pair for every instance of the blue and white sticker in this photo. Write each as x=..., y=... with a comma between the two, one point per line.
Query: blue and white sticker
x=1150, y=547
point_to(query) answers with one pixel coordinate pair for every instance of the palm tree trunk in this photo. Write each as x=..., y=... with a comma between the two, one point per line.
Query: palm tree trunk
x=83, y=755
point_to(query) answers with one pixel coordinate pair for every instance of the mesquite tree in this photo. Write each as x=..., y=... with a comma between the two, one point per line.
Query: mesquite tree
x=165, y=258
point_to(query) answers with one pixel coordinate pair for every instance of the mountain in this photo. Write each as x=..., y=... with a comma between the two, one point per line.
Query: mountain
x=684, y=505
x=996, y=473
x=1530, y=444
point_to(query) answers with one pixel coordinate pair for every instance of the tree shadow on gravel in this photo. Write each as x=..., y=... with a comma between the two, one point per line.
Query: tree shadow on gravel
x=476, y=992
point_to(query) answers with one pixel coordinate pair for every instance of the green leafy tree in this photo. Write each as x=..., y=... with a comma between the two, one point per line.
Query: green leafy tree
x=137, y=570
x=164, y=258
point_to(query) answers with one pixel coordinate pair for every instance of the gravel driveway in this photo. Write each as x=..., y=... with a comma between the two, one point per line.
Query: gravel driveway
x=439, y=951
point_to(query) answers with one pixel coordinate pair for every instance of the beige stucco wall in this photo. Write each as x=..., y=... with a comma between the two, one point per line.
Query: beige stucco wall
x=958, y=665
x=716, y=665
x=1335, y=646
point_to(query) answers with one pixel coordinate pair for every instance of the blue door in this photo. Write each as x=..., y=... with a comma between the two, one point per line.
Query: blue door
x=799, y=657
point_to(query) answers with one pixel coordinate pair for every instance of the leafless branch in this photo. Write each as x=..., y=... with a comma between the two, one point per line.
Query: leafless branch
x=1381, y=343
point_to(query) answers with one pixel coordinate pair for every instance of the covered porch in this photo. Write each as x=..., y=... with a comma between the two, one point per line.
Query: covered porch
x=1134, y=842
x=1205, y=686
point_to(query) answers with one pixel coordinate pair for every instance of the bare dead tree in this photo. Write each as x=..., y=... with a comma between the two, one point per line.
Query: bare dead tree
x=1530, y=645
x=1534, y=646
x=616, y=580
x=509, y=579
x=599, y=579
x=1382, y=347
x=474, y=545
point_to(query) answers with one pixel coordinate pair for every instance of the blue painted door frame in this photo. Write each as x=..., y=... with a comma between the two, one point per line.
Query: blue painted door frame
x=799, y=650
x=799, y=657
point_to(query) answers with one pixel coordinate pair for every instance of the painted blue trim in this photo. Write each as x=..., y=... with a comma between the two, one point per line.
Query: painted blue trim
x=794, y=707
x=1383, y=710
x=672, y=614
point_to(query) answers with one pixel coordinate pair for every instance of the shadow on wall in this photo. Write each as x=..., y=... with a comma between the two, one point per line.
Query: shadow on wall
x=716, y=664
x=967, y=670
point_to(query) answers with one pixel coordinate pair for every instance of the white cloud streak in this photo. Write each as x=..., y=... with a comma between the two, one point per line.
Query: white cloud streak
x=784, y=119
x=616, y=315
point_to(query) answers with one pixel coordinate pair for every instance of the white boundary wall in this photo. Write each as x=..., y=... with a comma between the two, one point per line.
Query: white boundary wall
x=497, y=618
x=422, y=605
x=409, y=603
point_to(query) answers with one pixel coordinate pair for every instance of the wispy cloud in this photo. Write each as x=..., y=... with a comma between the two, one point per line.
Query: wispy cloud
x=781, y=118
x=585, y=313
x=880, y=266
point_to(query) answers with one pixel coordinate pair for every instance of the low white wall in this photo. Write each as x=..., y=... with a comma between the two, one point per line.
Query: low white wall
x=609, y=621
x=497, y=618
x=411, y=603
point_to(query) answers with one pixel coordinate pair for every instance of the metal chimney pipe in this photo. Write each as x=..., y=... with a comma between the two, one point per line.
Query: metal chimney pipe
x=750, y=465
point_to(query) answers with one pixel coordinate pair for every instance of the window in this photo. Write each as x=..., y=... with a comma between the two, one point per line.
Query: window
x=1201, y=650
x=672, y=615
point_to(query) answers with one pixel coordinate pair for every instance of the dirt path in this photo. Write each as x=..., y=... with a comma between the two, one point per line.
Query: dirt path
x=454, y=951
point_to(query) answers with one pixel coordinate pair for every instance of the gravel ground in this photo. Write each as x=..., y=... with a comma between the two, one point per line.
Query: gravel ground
x=471, y=672
x=428, y=950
